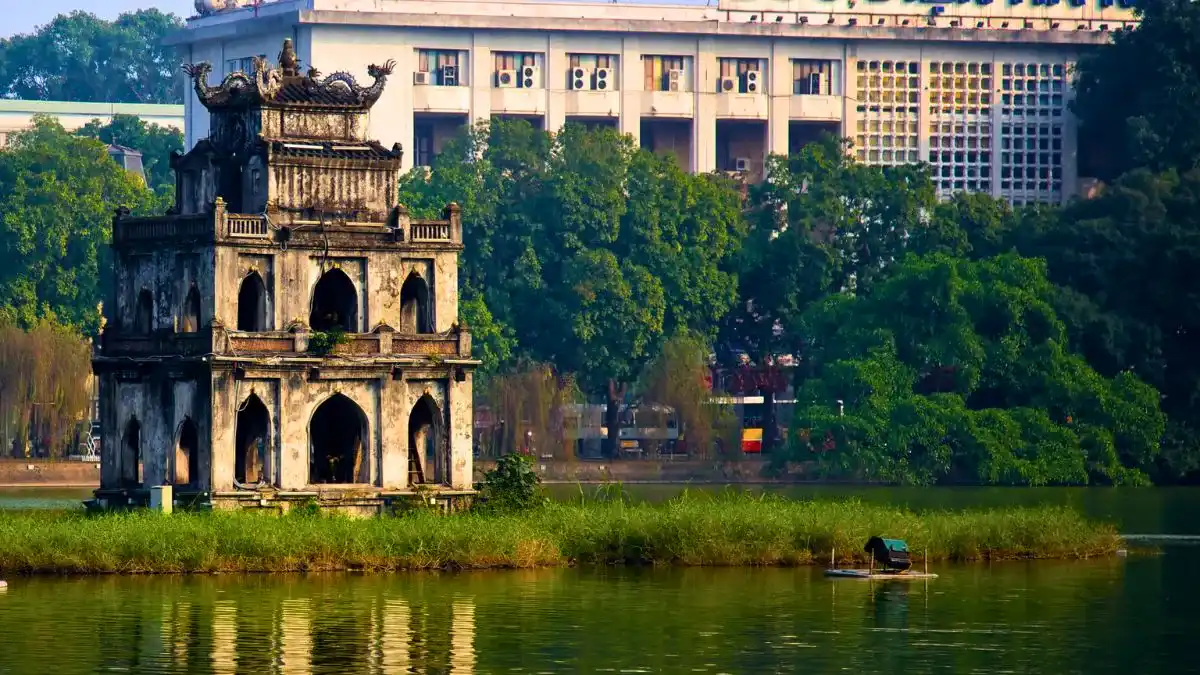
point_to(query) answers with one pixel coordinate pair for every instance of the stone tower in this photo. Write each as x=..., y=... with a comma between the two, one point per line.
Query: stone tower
x=285, y=331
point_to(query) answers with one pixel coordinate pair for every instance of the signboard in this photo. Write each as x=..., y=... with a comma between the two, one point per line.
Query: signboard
x=1110, y=10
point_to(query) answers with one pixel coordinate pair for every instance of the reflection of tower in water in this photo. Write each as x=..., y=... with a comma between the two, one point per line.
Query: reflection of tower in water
x=295, y=637
x=224, y=638
x=423, y=639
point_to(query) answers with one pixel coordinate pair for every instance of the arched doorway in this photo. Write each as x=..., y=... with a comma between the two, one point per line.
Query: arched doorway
x=131, y=454
x=143, y=320
x=191, y=311
x=414, y=306
x=251, y=434
x=338, y=442
x=335, y=303
x=187, y=455
x=252, y=304
x=428, y=453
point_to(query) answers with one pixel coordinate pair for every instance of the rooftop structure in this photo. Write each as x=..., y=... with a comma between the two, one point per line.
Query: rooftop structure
x=286, y=331
x=979, y=90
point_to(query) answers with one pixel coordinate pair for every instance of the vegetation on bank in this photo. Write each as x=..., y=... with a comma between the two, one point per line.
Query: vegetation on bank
x=733, y=529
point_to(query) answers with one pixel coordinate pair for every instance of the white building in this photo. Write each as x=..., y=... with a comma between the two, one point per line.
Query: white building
x=16, y=115
x=979, y=90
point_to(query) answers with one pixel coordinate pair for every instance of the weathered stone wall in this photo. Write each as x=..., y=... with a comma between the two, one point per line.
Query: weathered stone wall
x=168, y=272
x=291, y=275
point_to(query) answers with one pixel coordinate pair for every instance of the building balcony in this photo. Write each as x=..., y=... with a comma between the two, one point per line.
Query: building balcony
x=593, y=103
x=531, y=101
x=439, y=99
x=669, y=104
x=742, y=106
x=221, y=227
x=815, y=108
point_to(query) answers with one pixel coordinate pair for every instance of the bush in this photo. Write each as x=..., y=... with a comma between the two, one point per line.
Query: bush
x=512, y=486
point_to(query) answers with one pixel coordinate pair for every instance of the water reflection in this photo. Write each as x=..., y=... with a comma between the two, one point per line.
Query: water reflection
x=1111, y=616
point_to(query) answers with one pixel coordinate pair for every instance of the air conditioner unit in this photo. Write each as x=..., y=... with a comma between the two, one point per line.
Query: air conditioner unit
x=675, y=80
x=421, y=77
x=741, y=164
x=449, y=76
x=727, y=85
x=581, y=78
x=506, y=79
x=604, y=79
x=531, y=76
x=753, y=81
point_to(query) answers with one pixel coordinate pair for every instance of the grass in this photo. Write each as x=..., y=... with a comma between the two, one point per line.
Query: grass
x=735, y=529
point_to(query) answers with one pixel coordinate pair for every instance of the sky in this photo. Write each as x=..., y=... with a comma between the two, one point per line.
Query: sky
x=24, y=16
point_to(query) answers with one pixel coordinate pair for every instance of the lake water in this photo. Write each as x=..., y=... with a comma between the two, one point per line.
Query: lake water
x=1120, y=616
x=1129, y=615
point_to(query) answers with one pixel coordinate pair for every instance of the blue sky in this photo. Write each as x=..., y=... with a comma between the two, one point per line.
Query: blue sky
x=23, y=16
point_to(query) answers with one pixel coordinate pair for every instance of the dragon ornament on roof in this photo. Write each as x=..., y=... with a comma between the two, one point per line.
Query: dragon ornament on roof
x=284, y=85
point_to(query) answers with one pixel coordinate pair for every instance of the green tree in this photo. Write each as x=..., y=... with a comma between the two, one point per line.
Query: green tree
x=956, y=370
x=590, y=250
x=156, y=143
x=79, y=57
x=1136, y=98
x=58, y=193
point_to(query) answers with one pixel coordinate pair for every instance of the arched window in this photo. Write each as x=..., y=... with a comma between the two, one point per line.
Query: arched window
x=143, y=320
x=131, y=454
x=191, y=311
x=428, y=447
x=415, y=314
x=252, y=304
x=187, y=455
x=252, y=433
x=335, y=303
x=338, y=443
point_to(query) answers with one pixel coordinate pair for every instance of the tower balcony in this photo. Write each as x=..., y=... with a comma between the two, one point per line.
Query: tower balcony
x=221, y=227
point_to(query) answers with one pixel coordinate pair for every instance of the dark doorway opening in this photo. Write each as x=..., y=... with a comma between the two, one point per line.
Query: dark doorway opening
x=131, y=454
x=191, y=311
x=143, y=317
x=252, y=304
x=335, y=303
x=428, y=455
x=187, y=456
x=338, y=442
x=250, y=436
x=415, y=316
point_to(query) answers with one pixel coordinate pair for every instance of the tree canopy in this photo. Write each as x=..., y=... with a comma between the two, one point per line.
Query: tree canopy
x=1136, y=98
x=80, y=57
x=959, y=370
x=58, y=193
x=156, y=144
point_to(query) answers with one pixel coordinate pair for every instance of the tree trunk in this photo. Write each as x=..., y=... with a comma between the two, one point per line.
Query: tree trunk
x=612, y=419
x=768, y=438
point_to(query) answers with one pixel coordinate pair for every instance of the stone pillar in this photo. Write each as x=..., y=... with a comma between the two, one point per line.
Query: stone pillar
x=779, y=89
x=459, y=401
x=630, y=82
x=704, y=121
x=481, y=78
x=554, y=78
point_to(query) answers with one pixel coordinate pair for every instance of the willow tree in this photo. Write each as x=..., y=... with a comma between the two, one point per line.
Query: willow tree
x=45, y=376
x=529, y=404
x=679, y=377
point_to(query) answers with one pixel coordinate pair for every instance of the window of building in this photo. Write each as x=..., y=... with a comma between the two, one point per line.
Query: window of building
x=242, y=65
x=441, y=67
x=812, y=77
x=744, y=76
x=592, y=71
x=423, y=143
x=960, y=126
x=520, y=70
x=889, y=95
x=666, y=73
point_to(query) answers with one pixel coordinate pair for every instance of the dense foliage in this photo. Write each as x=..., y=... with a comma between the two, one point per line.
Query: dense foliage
x=958, y=370
x=156, y=144
x=80, y=57
x=58, y=193
x=587, y=251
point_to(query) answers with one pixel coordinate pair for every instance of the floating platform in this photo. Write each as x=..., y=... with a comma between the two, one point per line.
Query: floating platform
x=879, y=576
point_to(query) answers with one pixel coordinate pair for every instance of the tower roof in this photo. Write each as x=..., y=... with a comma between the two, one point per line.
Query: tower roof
x=285, y=87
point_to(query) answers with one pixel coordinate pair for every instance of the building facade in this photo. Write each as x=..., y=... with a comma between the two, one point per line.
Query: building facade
x=18, y=115
x=286, y=331
x=979, y=90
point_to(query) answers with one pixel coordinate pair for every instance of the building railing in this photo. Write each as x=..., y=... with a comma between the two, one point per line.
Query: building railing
x=247, y=227
x=429, y=231
x=116, y=343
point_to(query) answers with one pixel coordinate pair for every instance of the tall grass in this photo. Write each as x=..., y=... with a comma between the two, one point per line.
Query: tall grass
x=691, y=530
